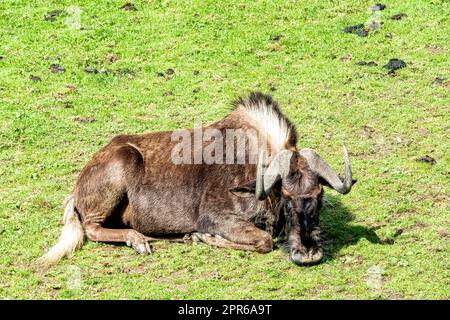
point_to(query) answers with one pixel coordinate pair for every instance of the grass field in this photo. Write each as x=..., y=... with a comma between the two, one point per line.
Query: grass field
x=387, y=239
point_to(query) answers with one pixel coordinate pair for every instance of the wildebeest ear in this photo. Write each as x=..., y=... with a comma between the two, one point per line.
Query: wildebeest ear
x=244, y=190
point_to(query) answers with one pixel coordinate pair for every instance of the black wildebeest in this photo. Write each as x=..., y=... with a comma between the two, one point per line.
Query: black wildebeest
x=132, y=191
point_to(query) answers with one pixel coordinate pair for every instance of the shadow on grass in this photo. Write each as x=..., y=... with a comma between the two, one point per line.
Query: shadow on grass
x=337, y=232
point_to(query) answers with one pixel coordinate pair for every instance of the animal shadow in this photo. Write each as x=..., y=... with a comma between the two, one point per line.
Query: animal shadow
x=337, y=232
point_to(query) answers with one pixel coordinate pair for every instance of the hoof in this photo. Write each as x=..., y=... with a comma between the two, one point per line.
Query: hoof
x=198, y=237
x=311, y=257
x=143, y=248
x=139, y=243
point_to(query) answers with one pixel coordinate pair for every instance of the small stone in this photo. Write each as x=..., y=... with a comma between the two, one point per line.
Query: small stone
x=377, y=7
x=170, y=71
x=196, y=72
x=128, y=7
x=395, y=64
x=399, y=16
x=89, y=70
x=427, y=159
x=56, y=68
x=51, y=15
x=369, y=64
x=362, y=33
x=277, y=37
x=353, y=29
x=35, y=78
x=388, y=35
x=398, y=232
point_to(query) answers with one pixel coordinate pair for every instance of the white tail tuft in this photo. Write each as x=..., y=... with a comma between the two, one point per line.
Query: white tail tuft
x=71, y=238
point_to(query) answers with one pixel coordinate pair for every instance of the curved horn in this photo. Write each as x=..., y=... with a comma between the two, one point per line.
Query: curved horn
x=278, y=169
x=319, y=166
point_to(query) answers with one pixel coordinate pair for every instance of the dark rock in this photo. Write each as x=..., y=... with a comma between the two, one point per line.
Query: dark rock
x=397, y=232
x=128, y=7
x=395, y=64
x=364, y=63
x=427, y=159
x=170, y=71
x=399, y=16
x=357, y=29
x=277, y=37
x=362, y=33
x=2, y=57
x=160, y=74
x=56, y=68
x=51, y=15
x=35, y=78
x=353, y=29
x=196, y=72
x=89, y=70
x=377, y=7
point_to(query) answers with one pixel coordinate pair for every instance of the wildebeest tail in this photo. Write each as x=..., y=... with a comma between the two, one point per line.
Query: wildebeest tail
x=71, y=238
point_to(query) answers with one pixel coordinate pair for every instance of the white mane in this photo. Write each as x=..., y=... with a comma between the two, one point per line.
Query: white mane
x=267, y=118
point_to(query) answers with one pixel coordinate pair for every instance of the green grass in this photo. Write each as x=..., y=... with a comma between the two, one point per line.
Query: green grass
x=387, y=122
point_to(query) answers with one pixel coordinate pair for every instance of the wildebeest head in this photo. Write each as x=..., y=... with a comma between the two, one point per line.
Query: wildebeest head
x=297, y=177
x=302, y=175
